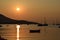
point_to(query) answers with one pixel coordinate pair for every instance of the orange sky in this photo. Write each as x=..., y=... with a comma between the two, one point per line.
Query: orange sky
x=31, y=10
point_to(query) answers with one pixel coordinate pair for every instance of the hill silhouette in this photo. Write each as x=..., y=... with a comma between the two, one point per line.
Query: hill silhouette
x=6, y=20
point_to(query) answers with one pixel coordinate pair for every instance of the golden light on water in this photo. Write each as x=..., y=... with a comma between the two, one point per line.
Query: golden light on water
x=18, y=26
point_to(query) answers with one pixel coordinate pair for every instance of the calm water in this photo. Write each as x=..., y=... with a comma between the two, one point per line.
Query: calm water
x=9, y=33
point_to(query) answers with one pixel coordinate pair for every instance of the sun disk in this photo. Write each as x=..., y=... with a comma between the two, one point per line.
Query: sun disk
x=18, y=9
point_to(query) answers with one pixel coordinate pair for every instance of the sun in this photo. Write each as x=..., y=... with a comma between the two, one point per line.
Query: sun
x=18, y=9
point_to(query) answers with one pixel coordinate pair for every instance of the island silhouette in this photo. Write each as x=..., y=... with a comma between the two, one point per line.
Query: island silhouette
x=6, y=20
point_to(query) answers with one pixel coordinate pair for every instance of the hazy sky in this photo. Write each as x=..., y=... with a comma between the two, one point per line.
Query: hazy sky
x=32, y=10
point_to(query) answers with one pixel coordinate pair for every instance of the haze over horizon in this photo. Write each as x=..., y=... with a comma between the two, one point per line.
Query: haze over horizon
x=32, y=10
